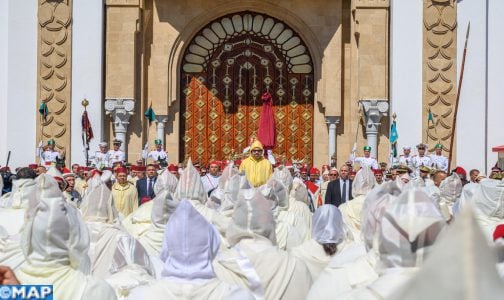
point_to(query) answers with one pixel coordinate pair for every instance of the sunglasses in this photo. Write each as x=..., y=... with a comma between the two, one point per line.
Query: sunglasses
x=333, y=174
x=256, y=151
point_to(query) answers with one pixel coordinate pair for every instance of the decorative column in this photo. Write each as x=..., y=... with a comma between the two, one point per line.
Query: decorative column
x=120, y=111
x=55, y=72
x=374, y=111
x=332, y=122
x=160, y=127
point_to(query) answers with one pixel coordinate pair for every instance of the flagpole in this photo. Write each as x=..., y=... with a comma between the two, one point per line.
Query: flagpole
x=85, y=103
x=454, y=127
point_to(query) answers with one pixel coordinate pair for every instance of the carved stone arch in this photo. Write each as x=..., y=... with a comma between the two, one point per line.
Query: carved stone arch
x=226, y=67
x=176, y=56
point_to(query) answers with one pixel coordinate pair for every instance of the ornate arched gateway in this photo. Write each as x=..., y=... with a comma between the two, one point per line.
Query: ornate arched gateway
x=226, y=68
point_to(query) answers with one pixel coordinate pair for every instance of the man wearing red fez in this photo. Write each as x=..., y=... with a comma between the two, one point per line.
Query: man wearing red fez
x=313, y=187
x=211, y=179
x=124, y=193
x=378, y=174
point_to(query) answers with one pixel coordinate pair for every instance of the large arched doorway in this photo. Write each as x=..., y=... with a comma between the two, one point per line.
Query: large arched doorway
x=226, y=68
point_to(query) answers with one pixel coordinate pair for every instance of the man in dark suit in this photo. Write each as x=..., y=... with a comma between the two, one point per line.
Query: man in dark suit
x=145, y=186
x=340, y=190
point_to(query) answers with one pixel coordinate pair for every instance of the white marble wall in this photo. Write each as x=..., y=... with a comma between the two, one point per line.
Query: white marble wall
x=481, y=102
x=495, y=78
x=406, y=70
x=18, y=81
x=87, y=78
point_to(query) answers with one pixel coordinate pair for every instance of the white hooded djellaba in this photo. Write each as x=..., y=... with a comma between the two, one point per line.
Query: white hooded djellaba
x=287, y=236
x=351, y=210
x=298, y=215
x=55, y=244
x=410, y=225
x=189, y=246
x=191, y=188
x=139, y=221
x=462, y=255
x=353, y=267
x=254, y=261
x=488, y=200
x=328, y=228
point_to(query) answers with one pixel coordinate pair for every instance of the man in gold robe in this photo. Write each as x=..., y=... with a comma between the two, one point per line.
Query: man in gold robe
x=124, y=193
x=256, y=167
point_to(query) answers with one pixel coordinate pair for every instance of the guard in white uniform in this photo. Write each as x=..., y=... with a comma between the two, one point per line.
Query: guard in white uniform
x=101, y=159
x=439, y=161
x=211, y=179
x=406, y=159
x=116, y=155
x=157, y=154
x=421, y=159
x=367, y=160
x=49, y=155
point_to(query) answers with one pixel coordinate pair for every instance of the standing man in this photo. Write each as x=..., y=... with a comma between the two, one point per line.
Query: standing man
x=421, y=159
x=102, y=157
x=378, y=176
x=158, y=154
x=367, y=160
x=339, y=191
x=439, y=161
x=257, y=169
x=124, y=193
x=145, y=186
x=71, y=195
x=116, y=154
x=406, y=159
x=211, y=179
x=49, y=156
x=333, y=175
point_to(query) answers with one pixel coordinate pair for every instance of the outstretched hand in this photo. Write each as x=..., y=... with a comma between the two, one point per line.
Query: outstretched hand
x=7, y=276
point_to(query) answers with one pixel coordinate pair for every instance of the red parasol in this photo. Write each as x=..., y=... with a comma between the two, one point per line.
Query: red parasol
x=266, y=132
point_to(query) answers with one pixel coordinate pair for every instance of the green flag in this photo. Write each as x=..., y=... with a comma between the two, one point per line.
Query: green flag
x=43, y=110
x=149, y=114
x=394, y=136
x=430, y=117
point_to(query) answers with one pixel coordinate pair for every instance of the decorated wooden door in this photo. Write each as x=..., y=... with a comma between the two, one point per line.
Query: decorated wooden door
x=225, y=70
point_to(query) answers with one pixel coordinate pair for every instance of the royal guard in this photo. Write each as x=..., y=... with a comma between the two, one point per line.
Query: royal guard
x=48, y=156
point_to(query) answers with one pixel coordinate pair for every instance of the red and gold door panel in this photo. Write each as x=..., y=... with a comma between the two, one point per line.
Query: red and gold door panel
x=226, y=68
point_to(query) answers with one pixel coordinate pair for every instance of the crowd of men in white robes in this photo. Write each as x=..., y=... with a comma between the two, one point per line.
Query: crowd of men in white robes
x=400, y=239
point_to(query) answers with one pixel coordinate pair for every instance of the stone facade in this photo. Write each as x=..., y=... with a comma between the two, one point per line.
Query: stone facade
x=55, y=70
x=348, y=42
x=439, y=71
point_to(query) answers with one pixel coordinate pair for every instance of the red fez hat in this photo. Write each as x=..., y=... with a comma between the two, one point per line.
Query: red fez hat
x=172, y=168
x=460, y=171
x=141, y=168
x=47, y=163
x=134, y=168
x=215, y=163
x=499, y=232
x=303, y=170
x=121, y=170
x=314, y=171
x=33, y=166
x=377, y=171
x=288, y=164
x=237, y=162
x=4, y=169
x=94, y=172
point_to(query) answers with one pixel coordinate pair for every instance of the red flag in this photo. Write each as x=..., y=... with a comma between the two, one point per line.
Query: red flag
x=87, y=131
x=266, y=131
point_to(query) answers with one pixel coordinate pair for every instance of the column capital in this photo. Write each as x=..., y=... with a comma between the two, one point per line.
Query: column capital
x=120, y=110
x=161, y=118
x=374, y=110
x=332, y=120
